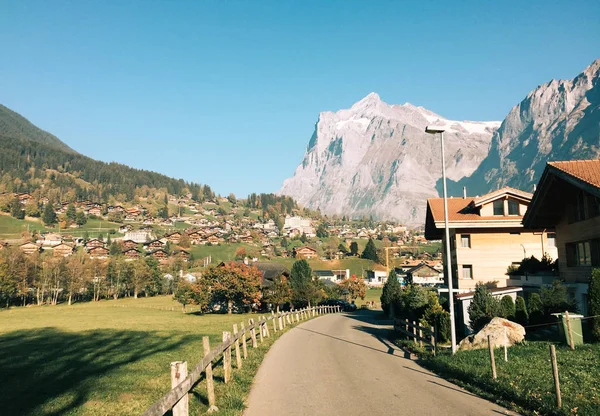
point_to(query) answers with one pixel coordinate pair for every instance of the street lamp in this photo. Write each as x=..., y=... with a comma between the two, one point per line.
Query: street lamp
x=434, y=130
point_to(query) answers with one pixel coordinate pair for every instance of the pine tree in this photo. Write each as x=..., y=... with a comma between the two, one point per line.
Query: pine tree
x=370, y=252
x=390, y=293
x=71, y=213
x=507, y=307
x=354, y=248
x=49, y=216
x=521, y=314
x=483, y=307
x=16, y=209
x=594, y=303
x=301, y=283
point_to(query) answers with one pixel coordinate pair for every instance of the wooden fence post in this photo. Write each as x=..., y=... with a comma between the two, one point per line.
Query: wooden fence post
x=210, y=386
x=280, y=321
x=297, y=316
x=420, y=337
x=227, y=358
x=492, y=359
x=433, y=342
x=244, y=337
x=287, y=318
x=260, y=330
x=267, y=334
x=570, y=331
x=555, y=375
x=274, y=325
x=253, y=333
x=238, y=357
x=313, y=311
x=414, y=331
x=406, y=326
x=179, y=372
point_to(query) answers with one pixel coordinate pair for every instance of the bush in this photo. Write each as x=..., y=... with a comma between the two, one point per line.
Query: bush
x=507, y=308
x=536, y=309
x=594, y=303
x=521, y=315
x=483, y=307
x=391, y=293
x=556, y=299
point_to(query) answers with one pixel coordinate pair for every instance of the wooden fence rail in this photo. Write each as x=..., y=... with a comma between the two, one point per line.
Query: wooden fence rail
x=176, y=399
x=419, y=334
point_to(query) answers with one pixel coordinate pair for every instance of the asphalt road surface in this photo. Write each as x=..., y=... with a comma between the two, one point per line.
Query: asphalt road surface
x=341, y=364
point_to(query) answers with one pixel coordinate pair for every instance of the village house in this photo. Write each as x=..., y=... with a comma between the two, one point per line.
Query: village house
x=425, y=275
x=50, y=239
x=376, y=278
x=24, y=197
x=139, y=236
x=99, y=252
x=124, y=228
x=129, y=244
x=184, y=255
x=115, y=208
x=132, y=253
x=154, y=245
x=174, y=237
x=567, y=199
x=486, y=237
x=159, y=254
x=96, y=211
x=305, y=253
x=30, y=248
x=94, y=242
x=62, y=250
x=335, y=276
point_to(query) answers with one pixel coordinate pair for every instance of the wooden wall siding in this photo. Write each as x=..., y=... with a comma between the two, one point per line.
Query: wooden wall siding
x=568, y=233
x=492, y=252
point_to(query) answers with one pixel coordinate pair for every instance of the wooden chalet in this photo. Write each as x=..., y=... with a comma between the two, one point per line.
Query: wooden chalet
x=129, y=244
x=95, y=211
x=159, y=254
x=115, y=208
x=305, y=253
x=62, y=250
x=213, y=239
x=132, y=253
x=94, y=242
x=174, y=237
x=154, y=245
x=184, y=255
x=99, y=252
x=29, y=248
x=23, y=197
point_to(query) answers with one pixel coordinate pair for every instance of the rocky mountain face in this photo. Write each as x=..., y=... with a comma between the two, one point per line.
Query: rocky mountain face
x=376, y=159
x=559, y=120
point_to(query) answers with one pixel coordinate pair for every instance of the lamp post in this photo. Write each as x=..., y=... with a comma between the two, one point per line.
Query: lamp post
x=434, y=130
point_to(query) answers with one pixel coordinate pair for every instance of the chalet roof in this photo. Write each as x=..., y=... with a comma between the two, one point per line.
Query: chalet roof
x=587, y=171
x=507, y=190
x=420, y=266
x=93, y=249
x=271, y=270
x=305, y=248
x=131, y=249
x=560, y=183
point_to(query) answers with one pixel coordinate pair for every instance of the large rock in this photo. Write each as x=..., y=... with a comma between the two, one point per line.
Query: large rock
x=502, y=331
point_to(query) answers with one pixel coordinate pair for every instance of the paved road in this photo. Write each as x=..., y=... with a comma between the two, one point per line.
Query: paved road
x=342, y=365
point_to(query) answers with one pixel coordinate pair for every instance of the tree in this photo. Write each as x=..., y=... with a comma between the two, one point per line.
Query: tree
x=507, y=307
x=390, y=294
x=535, y=308
x=80, y=218
x=322, y=231
x=195, y=293
x=521, y=315
x=279, y=222
x=355, y=287
x=76, y=274
x=163, y=212
x=280, y=293
x=594, y=303
x=370, y=252
x=234, y=283
x=342, y=247
x=16, y=209
x=483, y=307
x=71, y=213
x=232, y=199
x=555, y=299
x=184, y=241
x=140, y=276
x=49, y=216
x=301, y=283
x=354, y=248
x=240, y=253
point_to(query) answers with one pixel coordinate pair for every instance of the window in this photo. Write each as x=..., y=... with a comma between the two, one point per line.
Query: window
x=583, y=253
x=499, y=207
x=467, y=271
x=465, y=240
x=552, y=239
x=585, y=206
x=513, y=207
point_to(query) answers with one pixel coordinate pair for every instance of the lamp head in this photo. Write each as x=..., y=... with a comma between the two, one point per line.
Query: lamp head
x=434, y=129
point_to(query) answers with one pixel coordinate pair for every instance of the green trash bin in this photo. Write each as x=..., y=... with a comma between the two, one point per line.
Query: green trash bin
x=576, y=327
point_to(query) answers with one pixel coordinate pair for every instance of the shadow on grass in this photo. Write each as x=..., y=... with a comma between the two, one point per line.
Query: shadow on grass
x=38, y=366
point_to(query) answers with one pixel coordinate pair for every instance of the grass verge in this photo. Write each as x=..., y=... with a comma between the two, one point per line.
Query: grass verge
x=525, y=382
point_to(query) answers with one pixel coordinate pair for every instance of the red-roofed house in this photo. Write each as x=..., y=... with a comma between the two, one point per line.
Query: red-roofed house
x=568, y=200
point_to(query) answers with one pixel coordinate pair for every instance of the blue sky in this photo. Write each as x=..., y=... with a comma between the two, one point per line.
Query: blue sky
x=227, y=93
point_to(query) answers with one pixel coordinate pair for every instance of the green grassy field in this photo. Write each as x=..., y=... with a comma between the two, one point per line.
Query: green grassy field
x=110, y=357
x=224, y=252
x=373, y=295
x=525, y=382
x=11, y=228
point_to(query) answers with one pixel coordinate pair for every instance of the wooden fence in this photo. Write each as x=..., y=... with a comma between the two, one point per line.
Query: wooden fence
x=420, y=334
x=182, y=382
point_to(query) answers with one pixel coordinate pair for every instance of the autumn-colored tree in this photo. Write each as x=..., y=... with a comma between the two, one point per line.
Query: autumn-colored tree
x=184, y=241
x=240, y=253
x=77, y=274
x=279, y=293
x=234, y=283
x=193, y=293
x=355, y=286
x=140, y=276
